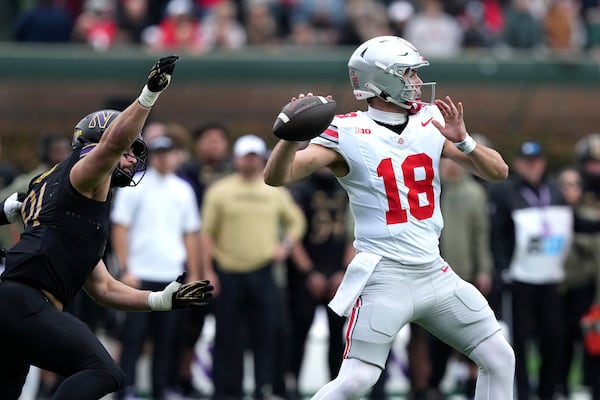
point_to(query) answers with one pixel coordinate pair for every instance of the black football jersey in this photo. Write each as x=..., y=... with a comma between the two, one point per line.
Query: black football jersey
x=64, y=237
x=325, y=206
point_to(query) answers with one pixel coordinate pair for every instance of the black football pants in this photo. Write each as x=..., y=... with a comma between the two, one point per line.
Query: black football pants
x=537, y=316
x=33, y=332
x=244, y=306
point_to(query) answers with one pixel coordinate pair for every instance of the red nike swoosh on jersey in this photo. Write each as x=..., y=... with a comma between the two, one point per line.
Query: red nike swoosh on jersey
x=426, y=122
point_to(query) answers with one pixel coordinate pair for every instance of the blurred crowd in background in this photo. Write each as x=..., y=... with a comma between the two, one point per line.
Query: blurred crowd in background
x=438, y=28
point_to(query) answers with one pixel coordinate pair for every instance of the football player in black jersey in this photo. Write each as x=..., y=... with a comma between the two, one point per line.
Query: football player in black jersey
x=66, y=219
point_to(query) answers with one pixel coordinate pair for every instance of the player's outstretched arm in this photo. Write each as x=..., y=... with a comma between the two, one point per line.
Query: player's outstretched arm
x=95, y=169
x=287, y=163
x=109, y=292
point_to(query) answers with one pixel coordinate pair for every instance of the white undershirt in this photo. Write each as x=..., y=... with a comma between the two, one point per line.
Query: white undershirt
x=387, y=117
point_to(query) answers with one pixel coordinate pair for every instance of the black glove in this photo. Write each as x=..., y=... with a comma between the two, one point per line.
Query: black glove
x=192, y=294
x=179, y=295
x=160, y=74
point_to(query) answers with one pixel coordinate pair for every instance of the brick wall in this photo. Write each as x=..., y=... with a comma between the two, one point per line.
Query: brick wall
x=556, y=116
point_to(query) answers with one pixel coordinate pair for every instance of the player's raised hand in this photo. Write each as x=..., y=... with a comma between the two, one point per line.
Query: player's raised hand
x=158, y=80
x=454, y=125
x=160, y=74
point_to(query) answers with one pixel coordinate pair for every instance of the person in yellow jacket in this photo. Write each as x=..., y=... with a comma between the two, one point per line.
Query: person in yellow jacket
x=248, y=227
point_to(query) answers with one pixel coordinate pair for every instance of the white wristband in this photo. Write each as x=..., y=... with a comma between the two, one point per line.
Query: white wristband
x=147, y=98
x=163, y=300
x=158, y=302
x=467, y=145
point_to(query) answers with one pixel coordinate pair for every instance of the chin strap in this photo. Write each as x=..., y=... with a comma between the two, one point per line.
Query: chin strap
x=415, y=108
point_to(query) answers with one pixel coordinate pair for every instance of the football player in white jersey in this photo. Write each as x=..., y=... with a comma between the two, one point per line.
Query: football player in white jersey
x=387, y=159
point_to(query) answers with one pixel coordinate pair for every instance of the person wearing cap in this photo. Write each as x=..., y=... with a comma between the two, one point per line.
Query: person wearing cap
x=532, y=229
x=248, y=227
x=581, y=286
x=155, y=236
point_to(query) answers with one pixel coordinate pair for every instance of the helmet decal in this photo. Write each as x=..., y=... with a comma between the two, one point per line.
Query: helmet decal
x=101, y=119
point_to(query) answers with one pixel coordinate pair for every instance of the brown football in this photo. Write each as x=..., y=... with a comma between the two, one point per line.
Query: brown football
x=305, y=118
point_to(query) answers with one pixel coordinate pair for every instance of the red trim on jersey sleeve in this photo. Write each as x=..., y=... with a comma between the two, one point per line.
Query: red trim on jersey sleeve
x=331, y=134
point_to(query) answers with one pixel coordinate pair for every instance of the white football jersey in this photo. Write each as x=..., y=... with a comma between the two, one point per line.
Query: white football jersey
x=393, y=185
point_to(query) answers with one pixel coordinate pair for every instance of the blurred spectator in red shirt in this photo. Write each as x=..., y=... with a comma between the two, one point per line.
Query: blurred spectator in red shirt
x=477, y=31
x=179, y=30
x=96, y=25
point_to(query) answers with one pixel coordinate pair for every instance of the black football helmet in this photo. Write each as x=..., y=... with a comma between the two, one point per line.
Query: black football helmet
x=89, y=131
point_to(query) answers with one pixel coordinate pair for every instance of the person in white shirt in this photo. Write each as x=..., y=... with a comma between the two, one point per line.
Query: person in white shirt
x=155, y=236
x=387, y=158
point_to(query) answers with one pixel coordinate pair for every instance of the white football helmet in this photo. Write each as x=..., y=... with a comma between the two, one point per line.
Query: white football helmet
x=377, y=68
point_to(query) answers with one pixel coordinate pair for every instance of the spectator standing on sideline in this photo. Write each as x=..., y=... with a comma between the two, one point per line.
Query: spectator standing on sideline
x=387, y=159
x=241, y=241
x=536, y=227
x=317, y=264
x=581, y=287
x=211, y=160
x=66, y=219
x=155, y=235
